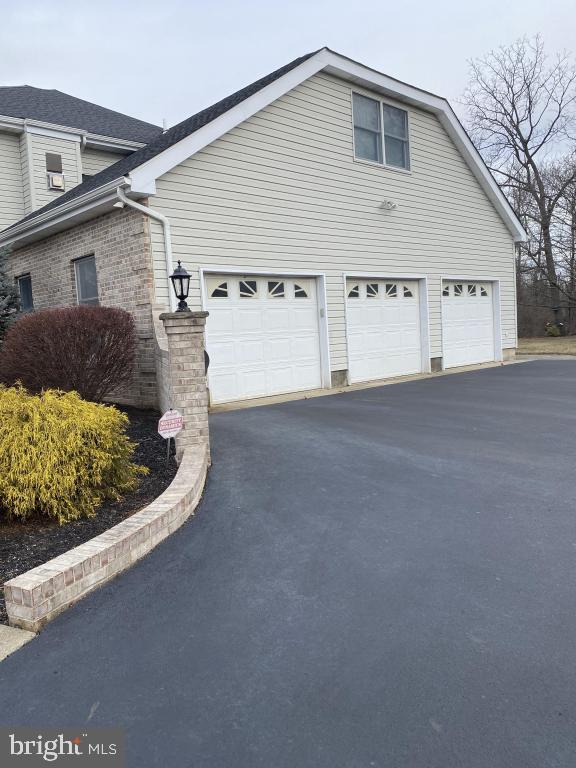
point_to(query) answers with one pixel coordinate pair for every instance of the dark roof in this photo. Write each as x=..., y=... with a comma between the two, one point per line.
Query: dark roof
x=59, y=108
x=165, y=140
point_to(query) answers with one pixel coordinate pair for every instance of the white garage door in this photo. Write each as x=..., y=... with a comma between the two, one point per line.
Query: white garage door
x=262, y=336
x=467, y=323
x=384, y=334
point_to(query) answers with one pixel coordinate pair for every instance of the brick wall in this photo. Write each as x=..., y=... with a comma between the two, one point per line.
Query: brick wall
x=37, y=596
x=120, y=243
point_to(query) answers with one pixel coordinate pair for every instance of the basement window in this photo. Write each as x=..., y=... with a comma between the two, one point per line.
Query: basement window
x=86, y=280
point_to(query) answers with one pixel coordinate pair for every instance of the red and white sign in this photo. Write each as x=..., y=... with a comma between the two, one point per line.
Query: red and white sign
x=170, y=424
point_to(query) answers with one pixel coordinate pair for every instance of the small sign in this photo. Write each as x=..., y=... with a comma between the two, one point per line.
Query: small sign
x=170, y=424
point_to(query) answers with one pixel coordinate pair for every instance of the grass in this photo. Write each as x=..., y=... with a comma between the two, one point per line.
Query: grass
x=548, y=346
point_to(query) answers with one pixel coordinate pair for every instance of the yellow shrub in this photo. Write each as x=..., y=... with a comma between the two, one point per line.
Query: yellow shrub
x=60, y=455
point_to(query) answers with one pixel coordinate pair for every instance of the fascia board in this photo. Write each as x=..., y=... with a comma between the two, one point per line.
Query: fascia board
x=60, y=216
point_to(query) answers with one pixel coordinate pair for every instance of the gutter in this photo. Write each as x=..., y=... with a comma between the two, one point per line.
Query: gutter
x=167, y=237
x=61, y=212
x=107, y=193
x=31, y=125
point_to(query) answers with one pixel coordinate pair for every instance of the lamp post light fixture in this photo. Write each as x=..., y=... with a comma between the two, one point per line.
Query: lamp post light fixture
x=181, y=284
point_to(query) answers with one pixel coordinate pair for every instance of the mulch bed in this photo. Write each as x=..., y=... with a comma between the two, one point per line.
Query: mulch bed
x=26, y=545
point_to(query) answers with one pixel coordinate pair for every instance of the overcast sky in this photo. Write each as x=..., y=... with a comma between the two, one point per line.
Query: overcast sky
x=168, y=59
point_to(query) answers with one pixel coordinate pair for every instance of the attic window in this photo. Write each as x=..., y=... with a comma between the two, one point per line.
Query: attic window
x=54, y=172
x=53, y=163
x=380, y=132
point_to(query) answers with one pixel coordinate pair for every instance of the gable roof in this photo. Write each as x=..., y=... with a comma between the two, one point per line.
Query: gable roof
x=141, y=169
x=51, y=106
x=164, y=141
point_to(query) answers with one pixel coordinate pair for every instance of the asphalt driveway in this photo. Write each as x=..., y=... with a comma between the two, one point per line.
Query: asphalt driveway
x=380, y=578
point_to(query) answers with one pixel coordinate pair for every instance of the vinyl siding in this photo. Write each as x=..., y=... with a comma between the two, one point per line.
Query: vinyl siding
x=283, y=191
x=70, y=166
x=27, y=187
x=11, y=193
x=95, y=160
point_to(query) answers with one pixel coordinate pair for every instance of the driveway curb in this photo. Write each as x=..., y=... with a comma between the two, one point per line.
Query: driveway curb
x=35, y=597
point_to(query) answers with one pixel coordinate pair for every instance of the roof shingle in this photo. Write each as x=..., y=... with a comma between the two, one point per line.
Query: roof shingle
x=59, y=108
x=165, y=140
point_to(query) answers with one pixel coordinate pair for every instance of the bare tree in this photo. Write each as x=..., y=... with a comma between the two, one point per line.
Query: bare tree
x=522, y=117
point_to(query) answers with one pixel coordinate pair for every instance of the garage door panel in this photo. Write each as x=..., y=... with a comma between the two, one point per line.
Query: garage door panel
x=252, y=382
x=225, y=352
x=223, y=321
x=304, y=348
x=467, y=323
x=263, y=343
x=277, y=319
x=304, y=318
x=278, y=350
x=223, y=386
x=249, y=352
x=384, y=329
x=247, y=320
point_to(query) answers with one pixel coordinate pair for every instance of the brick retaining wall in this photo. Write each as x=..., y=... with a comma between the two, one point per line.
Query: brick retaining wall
x=37, y=596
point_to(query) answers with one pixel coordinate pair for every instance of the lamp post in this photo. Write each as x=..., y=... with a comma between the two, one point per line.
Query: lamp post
x=181, y=284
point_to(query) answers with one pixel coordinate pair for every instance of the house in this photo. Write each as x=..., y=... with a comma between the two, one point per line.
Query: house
x=50, y=142
x=338, y=225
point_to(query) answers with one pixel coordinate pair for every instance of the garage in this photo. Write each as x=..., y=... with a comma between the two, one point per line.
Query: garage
x=384, y=328
x=467, y=322
x=262, y=335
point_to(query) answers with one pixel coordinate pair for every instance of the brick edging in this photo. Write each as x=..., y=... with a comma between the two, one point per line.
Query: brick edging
x=35, y=597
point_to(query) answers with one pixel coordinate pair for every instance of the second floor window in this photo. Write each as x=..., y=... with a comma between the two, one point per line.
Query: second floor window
x=367, y=130
x=380, y=132
x=86, y=281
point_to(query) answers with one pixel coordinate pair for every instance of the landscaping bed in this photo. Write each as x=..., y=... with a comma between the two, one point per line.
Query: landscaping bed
x=25, y=545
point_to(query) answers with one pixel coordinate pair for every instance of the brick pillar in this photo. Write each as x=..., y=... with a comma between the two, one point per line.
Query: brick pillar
x=186, y=376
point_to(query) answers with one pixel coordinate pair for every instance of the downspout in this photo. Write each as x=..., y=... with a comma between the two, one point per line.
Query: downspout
x=167, y=238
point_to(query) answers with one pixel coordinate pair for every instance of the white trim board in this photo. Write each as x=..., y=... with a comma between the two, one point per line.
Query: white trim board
x=322, y=304
x=143, y=178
